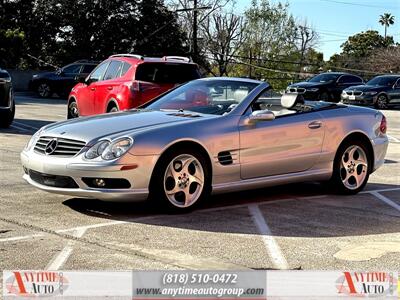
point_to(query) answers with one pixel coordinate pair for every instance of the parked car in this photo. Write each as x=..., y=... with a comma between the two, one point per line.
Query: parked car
x=7, y=104
x=380, y=91
x=61, y=81
x=325, y=86
x=208, y=135
x=125, y=81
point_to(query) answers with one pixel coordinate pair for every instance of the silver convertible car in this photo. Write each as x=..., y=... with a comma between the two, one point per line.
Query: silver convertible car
x=207, y=136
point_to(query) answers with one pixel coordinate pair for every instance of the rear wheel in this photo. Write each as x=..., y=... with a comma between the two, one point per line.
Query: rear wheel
x=182, y=182
x=73, y=111
x=351, y=167
x=113, y=109
x=381, y=102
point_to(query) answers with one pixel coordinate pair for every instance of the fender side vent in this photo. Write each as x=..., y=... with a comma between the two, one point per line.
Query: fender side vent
x=225, y=158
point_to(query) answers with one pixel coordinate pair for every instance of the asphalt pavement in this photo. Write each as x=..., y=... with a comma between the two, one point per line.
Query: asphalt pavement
x=300, y=226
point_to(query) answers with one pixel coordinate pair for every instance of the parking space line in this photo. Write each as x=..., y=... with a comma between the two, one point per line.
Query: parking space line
x=26, y=126
x=138, y=219
x=18, y=238
x=20, y=128
x=272, y=246
x=58, y=261
x=393, y=139
x=386, y=200
x=380, y=190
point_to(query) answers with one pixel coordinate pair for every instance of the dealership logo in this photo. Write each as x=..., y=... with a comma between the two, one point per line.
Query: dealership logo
x=368, y=284
x=51, y=146
x=35, y=283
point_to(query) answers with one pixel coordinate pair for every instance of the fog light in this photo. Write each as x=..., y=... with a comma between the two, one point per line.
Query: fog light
x=99, y=182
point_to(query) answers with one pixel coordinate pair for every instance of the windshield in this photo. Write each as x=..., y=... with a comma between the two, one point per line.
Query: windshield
x=383, y=81
x=205, y=96
x=324, y=78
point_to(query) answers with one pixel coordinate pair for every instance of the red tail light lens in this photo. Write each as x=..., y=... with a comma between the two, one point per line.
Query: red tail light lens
x=383, y=126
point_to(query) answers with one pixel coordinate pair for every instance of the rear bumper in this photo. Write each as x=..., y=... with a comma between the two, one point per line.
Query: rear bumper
x=380, y=146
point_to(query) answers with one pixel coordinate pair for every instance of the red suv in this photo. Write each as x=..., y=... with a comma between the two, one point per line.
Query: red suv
x=125, y=81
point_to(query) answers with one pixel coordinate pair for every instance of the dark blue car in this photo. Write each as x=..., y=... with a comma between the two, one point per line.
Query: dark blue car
x=61, y=81
x=381, y=91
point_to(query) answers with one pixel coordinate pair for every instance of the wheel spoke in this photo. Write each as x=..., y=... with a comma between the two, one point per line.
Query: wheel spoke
x=175, y=190
x=360, y=162
x=188, y=196
x=196, y=179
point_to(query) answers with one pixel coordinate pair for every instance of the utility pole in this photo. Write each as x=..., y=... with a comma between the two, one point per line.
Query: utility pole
x=195, y=48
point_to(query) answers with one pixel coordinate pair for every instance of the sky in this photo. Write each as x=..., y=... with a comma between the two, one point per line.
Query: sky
x=335, y=20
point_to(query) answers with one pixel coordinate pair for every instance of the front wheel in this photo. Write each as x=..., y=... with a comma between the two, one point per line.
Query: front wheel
x=73, y=111
x=351, y=168
x=324, y=96
x=182, y=182
x=381, y=102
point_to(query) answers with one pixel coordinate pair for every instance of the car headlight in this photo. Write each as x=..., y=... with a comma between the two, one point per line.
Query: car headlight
x=313, y=90
x=371, y=93
x=117, y=148
x=33, y=140
x=97, y=149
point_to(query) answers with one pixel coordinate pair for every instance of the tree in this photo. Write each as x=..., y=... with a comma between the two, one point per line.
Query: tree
x=306, y=39
x=361, y=44
x=223, y=37
x=59, y=32
x=386, y=20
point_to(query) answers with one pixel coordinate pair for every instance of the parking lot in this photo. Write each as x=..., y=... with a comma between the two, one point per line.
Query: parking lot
x=300, y=226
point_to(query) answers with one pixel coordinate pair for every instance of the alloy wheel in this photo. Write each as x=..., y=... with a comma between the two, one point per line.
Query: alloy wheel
x=353, y=167
x=73, y=110
x=184, y=180
x=43, y=90
x=382, y=102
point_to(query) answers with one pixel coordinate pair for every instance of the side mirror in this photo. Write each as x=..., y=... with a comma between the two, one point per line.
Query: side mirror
x=261, y=115
x=80, y=79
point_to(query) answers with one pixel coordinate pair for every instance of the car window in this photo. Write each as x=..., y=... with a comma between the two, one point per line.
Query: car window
x=210, y=97
x=325, y=77
x=98, y=73
x=349, y=79
x=113, y=70
x=166, y=72
x=382, y=81
x=87, y=69
x=125, y=68
x=72, y=69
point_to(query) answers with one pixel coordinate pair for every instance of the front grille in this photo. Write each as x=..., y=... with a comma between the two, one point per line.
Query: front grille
x=63, y=147
x=354, y=93
x=297, y=90
x=52, y=180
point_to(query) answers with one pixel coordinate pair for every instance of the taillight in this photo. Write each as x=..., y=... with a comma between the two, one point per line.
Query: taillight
x=383, y=126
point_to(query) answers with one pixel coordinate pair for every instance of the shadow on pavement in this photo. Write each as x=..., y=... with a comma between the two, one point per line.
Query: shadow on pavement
x=325, y=216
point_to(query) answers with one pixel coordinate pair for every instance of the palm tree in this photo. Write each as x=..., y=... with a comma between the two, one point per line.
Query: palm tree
x=386, y=20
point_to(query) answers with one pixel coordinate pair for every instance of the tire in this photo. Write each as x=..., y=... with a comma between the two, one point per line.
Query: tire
x=382, y=102
x=351, y=167
x=7, y=116
x=44, y=90
x=181, y=180
x=324, y=96
x=73, y=111
x=113, y=109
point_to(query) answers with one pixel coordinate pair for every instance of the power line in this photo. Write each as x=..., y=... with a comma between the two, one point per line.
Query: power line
x=358, y=4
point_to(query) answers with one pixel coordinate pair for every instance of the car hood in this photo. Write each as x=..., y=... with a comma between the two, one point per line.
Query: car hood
x=365, y=88
x=126, y=122
x=306, y=84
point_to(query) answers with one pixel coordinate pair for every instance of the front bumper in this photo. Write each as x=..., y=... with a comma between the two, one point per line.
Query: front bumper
x=364, y=100
x=77, y=169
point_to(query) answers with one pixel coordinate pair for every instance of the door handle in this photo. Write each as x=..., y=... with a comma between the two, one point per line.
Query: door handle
x=315, y=125
x=92, y=89
x=109, y=88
